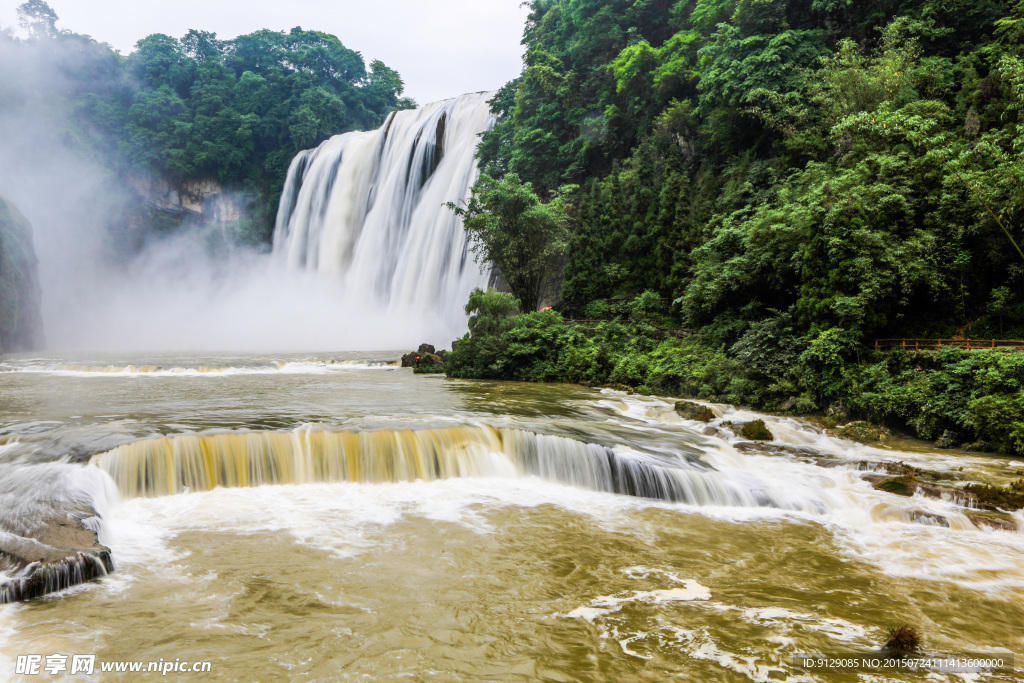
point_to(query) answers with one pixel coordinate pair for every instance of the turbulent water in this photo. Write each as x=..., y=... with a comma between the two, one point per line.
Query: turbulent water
x=335, y=517
x=369, y=208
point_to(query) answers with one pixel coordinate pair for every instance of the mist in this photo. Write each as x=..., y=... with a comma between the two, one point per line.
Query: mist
x=109, y=284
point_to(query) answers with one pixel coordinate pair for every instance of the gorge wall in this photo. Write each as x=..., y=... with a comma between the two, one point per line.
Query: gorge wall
x=21, y=322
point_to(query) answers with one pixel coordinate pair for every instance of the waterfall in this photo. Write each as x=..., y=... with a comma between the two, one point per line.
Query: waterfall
x=201, y=462
x=368, y=209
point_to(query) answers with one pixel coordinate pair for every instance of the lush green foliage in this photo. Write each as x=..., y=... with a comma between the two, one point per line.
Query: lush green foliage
x=200, y=108
x=973, y=398
x=826, y=164
x=511, y=229
x=799, y=177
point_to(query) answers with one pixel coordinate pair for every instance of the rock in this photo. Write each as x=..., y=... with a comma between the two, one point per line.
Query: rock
x=901, y=486
x=430, y=358
x=689, y=410
x=21, y=323
x=48, y=540
x=947, y=440
x=838, y=411
x=409, y=360
x=425, y=349
x=709, y=431
x=908, y=485
x=992, y=522
x=755, y=431
x=864, y=432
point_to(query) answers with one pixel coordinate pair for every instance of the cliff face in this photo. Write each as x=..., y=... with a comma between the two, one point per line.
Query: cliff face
x=201, y=201
x=21, y=322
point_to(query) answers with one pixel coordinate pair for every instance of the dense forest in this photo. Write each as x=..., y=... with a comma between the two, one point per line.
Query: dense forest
x=792, y=179
x=196, y=108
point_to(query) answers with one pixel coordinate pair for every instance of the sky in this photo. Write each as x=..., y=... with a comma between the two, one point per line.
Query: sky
x=441, y=48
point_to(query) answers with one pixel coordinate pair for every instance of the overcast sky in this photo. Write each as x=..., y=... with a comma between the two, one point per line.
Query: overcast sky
x=442, y=48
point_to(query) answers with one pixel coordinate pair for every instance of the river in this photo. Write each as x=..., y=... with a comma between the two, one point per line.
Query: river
x=418, y=527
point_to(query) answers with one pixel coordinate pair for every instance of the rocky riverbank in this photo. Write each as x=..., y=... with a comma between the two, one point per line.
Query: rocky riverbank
x=48, y=532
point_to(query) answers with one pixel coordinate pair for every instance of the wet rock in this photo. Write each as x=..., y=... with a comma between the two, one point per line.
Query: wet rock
x=901, y=486
x=688, y=410
x=425, y=360
x=989, y=497
x=755, y=431
x=993, y=522
x=709, y=431
x=765, y=448
x=838, y=411
x=48, y=529
x=910, y=486
x=928, y=519
x=947, y=440
x=864, y=432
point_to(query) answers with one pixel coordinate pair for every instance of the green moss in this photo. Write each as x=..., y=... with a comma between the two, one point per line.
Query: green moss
x=901, y=486
x=1004, y=498
x=755, y=431
x=689, y=410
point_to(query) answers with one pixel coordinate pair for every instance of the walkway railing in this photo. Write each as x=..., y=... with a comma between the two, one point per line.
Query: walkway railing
x=936, y=344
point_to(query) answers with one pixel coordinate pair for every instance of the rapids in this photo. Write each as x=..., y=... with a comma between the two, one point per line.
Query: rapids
x=334, y=517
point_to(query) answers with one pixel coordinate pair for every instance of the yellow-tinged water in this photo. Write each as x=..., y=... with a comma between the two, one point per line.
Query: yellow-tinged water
x=357, y=522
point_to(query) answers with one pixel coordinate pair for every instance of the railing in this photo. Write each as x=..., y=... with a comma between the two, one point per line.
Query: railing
x=667, y=331
x=936, y=344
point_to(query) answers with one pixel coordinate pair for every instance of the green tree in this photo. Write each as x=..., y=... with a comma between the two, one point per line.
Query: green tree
x=514, y=231
x=38, y=19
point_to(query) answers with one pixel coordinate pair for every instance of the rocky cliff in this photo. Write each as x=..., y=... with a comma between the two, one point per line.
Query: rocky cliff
x=21, y=323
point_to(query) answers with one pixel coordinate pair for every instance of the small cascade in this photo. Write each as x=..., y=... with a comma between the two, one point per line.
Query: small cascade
x=38, y=578
x=201, y=462
x=368, y=208
x=50, y=519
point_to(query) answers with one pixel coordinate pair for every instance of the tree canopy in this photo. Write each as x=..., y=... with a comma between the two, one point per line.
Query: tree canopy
x=200, y=107
x=510, y=228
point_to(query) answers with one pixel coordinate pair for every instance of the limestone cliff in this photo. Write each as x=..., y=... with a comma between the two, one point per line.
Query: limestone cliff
x=21, y=323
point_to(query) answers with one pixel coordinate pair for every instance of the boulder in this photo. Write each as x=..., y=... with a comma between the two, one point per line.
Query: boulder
x=992, y=522
x=755, y=431
x=864, y=432
x=48, y=539
x=688, y=410
x=409, y=360
x=425, y=349
x=947, y=440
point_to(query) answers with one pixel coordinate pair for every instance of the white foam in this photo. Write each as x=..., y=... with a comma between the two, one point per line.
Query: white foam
x=310, y=367
x=899, y=535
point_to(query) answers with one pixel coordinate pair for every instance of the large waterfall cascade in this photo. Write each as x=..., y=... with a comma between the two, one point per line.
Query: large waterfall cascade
x=369, y=208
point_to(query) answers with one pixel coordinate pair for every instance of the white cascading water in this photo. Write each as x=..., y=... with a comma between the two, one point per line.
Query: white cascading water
x=368, y=208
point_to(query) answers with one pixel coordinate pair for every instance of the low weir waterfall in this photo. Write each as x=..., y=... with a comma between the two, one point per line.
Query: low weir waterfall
x=369, y=209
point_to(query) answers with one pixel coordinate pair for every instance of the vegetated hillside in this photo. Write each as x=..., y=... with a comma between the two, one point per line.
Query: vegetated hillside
x=782, y=167
x=789, y=180
x=192, y=109
x=21, y=322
